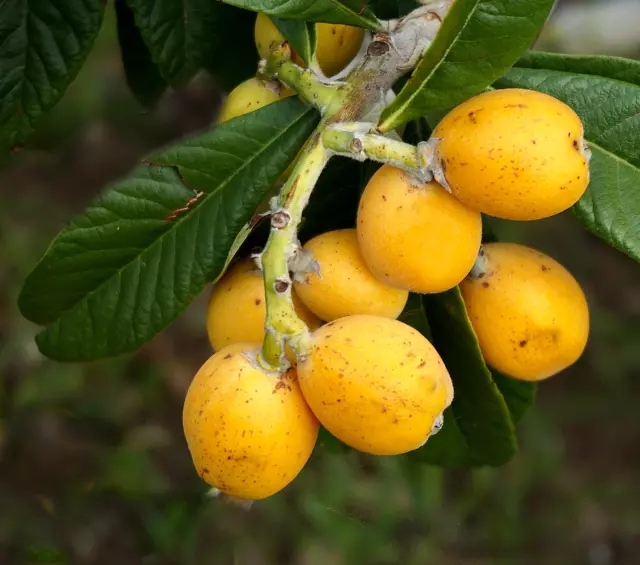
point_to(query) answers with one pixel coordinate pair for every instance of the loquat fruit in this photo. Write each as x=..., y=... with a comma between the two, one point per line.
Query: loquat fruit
x=416, y=236
x=376, y=384
x=514, y=154
x=249, y=432
x=529, y=313
x=344, y=285
x=251, y=95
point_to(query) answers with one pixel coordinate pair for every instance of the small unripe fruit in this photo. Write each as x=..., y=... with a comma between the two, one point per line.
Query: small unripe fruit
x=376, y=384
x=416, y=236
x=249, y=432
x=237, y=307
x=336, y=44
x=529, y=313
x=345, y=286
x=514, y=154
x=251, y=95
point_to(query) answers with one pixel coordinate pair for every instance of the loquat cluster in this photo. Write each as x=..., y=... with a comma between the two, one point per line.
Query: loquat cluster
x=372, y=381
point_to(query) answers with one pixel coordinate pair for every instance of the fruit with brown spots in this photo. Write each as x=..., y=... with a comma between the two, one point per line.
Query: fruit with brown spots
x=251, y=95
x=514, y=154
x=344, y=285
x=237, y=308
x=529, y=313
x=377, y=384
x=336, y=44
x=249, y=432
x=416, y=236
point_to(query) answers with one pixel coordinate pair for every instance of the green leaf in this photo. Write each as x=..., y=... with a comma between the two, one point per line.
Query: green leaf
x=301, y=35
x=478, y=41
x=415, y=316
x=334, y=201
x=43, y=45
x=233, y=32
x=179, y=34
x=142, y=75
x=123, y=270
x=351, y=12
x=519, y=395
x=605, y=92
x=477, y=428
x=389, y=9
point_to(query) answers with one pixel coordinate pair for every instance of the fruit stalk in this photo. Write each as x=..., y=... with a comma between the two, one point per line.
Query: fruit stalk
x=324, y=95
x=345, y=140
x=362, y=96
x=282, y=245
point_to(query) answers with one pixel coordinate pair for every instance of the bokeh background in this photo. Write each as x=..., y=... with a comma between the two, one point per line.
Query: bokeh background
x=93, y=465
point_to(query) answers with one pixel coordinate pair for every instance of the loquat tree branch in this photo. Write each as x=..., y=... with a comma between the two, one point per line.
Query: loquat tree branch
x=282, y=323
x=349, y=108
x=361, y=145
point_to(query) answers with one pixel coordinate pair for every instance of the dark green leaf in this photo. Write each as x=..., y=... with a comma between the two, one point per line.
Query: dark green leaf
x=448, y=448
x=519, y=395
x=124, y=270
x=485, y=434
x=616, y=68
x=233, y=57
x=488, y=233
x=478, y=41
x=301, y=35
x=389, y=9
x=43, y=44
x=334, y=201
x=605, y=92
x=143, y=76
x=179, y=34
x=414, y=315
x=352, y=12
x=416, y=131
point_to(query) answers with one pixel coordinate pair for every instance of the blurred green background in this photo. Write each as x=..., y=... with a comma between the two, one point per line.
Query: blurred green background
x=93, y=464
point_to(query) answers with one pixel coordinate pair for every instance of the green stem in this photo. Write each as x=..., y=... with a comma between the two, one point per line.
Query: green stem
x=282, y=323
x=344, y=139
x=326, y=96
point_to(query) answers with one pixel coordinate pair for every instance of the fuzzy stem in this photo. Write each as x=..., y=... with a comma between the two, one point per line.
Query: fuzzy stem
x=319, y=92
x=343, y=140
x=361, y=97
x=325, y=96
x=282, y=322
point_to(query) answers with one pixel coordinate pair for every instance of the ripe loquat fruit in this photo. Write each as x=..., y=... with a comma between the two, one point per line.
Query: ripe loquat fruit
x=377, y=384
x=344, y=285
x=249, y=432
x=514, y=154
x=416, y=236
x=530, y=315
